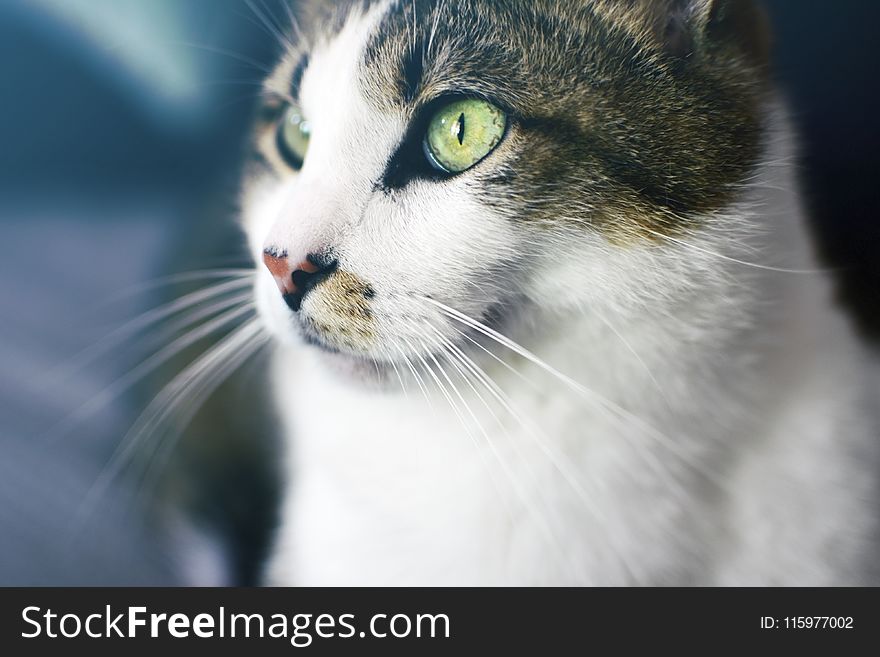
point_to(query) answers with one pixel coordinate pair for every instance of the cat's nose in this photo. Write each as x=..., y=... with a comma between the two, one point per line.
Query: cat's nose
x=295, y=281
x=278, y=266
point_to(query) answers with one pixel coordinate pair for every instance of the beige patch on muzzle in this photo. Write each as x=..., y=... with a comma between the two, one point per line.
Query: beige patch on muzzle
x=339, y=308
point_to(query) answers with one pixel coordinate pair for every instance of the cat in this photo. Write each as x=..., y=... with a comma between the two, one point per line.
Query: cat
x=544, y=303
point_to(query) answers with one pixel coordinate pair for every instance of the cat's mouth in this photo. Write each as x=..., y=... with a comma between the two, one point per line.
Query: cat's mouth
x=350, y=362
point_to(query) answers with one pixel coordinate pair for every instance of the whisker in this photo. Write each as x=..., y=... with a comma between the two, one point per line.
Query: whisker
x=547, y=529
x=244, y=59
x=293, y=23
x=192, y=401
x=64, y=370
x=629, y=347
x=560, y=462
x=193, y=316
x=563, y=468
x=270, y=27
x=174, y=279
x=393, y=361
x=417, y=378
x=513, y=480
x=445, y=393
x=164, y=403
x=437, y=381
x=744, y=263
x=144, y=368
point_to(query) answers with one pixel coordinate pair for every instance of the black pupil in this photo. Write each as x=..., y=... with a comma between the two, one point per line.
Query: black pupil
x=461, y=129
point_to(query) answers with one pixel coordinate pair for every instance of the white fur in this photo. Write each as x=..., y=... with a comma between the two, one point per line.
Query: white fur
x=717, y=439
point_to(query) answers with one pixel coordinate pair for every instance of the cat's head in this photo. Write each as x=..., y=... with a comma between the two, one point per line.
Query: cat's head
x=416, y=159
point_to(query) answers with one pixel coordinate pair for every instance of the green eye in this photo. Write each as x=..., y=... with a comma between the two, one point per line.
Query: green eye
x=293, y=137
x=463, y=133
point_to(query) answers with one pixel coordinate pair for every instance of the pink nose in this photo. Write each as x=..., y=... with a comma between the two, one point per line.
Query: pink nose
x=282, y=272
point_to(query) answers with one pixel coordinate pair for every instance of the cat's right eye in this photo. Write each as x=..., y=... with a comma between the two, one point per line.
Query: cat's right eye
x=294, y=133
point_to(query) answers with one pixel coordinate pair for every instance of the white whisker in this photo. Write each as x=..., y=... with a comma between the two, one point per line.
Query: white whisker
x=190, y=401
x=244, y=59
x=744, y=263
x=461, y=419
x=174, y=279
x=512, y=478
x=168, y=400
x=539, y=518
x=64, y=370
x=270, y=27
x=145, y=367
x=604, y=320
x=417, y=378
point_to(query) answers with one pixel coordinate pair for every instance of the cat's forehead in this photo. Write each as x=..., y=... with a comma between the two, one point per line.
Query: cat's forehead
x=524, y=56
x=410, y=51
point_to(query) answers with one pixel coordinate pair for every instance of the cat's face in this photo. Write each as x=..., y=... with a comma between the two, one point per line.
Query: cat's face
x=500, y=159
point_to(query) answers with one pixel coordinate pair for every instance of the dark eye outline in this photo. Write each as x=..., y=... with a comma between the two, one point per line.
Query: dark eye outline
x=291, y=158
x=410, y=162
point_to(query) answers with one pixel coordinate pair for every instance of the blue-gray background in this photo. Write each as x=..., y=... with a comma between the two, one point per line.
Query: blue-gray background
x=121, y=124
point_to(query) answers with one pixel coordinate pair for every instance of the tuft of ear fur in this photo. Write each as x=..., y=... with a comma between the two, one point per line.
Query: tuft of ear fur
x=682, y=28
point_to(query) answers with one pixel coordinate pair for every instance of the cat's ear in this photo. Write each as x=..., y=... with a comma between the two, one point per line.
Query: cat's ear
x=741, y=25
x=682, y=28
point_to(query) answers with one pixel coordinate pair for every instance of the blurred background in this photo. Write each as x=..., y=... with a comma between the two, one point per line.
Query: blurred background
x=121, y=128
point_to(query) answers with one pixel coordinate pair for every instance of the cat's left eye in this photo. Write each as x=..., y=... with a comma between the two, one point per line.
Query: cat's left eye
x=462, y=133
x=294, y=133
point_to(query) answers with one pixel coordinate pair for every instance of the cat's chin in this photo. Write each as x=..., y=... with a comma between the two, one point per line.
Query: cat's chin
x=358, y=370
